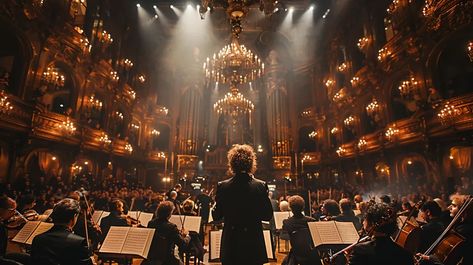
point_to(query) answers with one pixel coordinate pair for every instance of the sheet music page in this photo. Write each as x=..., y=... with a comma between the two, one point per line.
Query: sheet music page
x=96, y=216
x=324, y=233
x=134, y=214
x=115, y=239
x=104, y=214
x=191, y=223
x=347, y=232
x=42, y=227
x=26, y=231
x=145, y=218
x=215, y=237
x=268, y=244
x=279, y=217
x=138, y=241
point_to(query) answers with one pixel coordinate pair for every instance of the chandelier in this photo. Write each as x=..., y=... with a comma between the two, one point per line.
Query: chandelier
x=234, y=64
x=129, y=148
x=5, y=105
x=53, y=78
x=372, y=108
x=470, y=50
x=104, y=139
x=408, y=87
x=391, y=133
x=95, y=103
x=449, y=112
x=68, y=127
x=234, y=104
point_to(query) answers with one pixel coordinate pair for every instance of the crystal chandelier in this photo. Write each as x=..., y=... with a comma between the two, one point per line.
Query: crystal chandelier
x=68, y=127
x=234, y=64
x=53, y=78
x=234, y=104
x=5, y=105
x=449, y=112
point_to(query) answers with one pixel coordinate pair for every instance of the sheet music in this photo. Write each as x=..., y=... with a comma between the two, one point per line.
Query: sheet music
x=268, y=244
x=145, y=218
x=134, y=214
x=279, y=217
x=191, y=223
x=138, y=241
x=115, y=239
x=324, y=233
x=215, y=237
x=347, y=232
x=26, y=232
x=96, y=216
x=42, y=227
x=104, y=214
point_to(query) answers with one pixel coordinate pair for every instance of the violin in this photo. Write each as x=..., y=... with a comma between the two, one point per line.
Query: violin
x=16, y=221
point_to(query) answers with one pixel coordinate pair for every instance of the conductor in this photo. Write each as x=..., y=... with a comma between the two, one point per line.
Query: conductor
x=242, y=202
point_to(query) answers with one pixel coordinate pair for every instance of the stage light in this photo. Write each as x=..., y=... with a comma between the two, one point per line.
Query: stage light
x=189, y=6
x=155, y=16
x=155, y=7
x=311, y=7
x=171, y=6
x=291, y=9
x=138, y=5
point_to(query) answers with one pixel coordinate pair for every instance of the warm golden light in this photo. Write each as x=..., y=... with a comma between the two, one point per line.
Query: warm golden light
x=5, y=105
x=234, y=104
x=408, y=86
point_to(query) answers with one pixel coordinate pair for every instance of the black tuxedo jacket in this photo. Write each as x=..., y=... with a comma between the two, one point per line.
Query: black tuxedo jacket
x=59, y=246
x=242, y=202
x=380, y=250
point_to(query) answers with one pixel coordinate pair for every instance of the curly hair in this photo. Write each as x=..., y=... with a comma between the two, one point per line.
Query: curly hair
x=382, y=217
x=241, y=159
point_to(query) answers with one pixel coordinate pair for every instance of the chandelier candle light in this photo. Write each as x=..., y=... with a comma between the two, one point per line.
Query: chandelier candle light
x=234, y=104
x=5, y=105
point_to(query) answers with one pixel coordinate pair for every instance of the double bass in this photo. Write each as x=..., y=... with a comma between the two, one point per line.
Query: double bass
x=449, y=246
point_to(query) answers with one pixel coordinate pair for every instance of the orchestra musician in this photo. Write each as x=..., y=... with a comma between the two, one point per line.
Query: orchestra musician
x=464, y=228
x=165, y=233
x=116, y=217
x=8, y=212
x=430, y=212
x=59, y=245
x=93, y=231
x=380, y=221
x=242, y=237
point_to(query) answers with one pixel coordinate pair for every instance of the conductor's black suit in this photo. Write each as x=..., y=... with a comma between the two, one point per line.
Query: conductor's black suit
x=242, y=202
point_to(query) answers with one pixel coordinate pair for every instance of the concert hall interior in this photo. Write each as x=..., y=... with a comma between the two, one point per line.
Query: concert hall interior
x=160, y=131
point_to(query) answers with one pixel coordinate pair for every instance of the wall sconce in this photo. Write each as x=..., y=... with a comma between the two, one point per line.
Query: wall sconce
x=409, y=86
x=129, y=148
x=449, y=113
x=393, y=6
x=391, y=133
x=105, y=37
x=428, y=8
x=94, y=103
x=142, y=78
x=126, y=63
x=354, y=81
x=334, y=130
x=132, y=93
x=104, y=139
x=349, y=121
x=341, y=151
x=5, y=105
x=155, y=132
x=342, y=67
x=329, y=82
x=362, y=143
x=119, y=115
x=338, y=96
x=68, y=127
x=259, y=149
x=313, y=134
x=135, y=126
x=115, y=76
x=373, y=108
x=363, y=43
x=383, y=54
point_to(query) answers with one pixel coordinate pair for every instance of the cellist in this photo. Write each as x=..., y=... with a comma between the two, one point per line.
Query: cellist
x=464, y=228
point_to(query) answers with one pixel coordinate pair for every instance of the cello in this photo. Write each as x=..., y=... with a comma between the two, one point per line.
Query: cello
x=448, y=247
x=409, y=233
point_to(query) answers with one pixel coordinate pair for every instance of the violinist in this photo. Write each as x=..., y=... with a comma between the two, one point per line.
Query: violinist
x=430, y=212
x=380, y=221
x=166, y=233
x=188, y=208
x=116, y=217
x=7, y=211
x=93, y=232
x=173, y=198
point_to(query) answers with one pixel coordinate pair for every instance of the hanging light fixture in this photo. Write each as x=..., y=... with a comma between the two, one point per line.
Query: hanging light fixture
x=5, y=105
x=234, y=104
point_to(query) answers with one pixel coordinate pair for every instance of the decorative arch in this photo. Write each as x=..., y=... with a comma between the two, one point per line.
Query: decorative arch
x=42, y=162
x=16, y=53
x=306, y=143
x=414, y=167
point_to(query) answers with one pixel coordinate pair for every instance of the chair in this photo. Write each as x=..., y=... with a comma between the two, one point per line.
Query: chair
x=303, y=250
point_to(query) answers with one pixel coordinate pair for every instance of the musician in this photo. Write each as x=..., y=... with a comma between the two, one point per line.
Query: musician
x=430, y=212
x=242, y=202
x=204, y=201
x=294, y=224
x=166, y=232
x=330, y=209
x=7, y=211
x=347, y=214
x=59, y=245
x=115, y=218
x=188, y=208
x=381, y=222
x=173, y=198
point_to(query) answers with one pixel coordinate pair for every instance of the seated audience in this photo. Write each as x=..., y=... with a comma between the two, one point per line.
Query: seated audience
x=59, y=246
